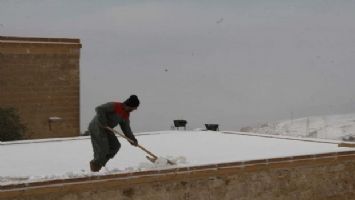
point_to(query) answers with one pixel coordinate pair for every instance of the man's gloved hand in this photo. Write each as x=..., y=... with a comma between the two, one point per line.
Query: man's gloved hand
x=134, y=141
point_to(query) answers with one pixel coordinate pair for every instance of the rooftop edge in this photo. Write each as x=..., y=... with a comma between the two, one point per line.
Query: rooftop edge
x=16, y=39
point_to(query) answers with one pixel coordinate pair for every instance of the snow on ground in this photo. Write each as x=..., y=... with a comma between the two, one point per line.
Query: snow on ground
x=337, y=127
x=38, y=160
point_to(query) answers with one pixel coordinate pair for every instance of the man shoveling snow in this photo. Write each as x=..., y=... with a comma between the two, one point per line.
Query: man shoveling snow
x=104, y=142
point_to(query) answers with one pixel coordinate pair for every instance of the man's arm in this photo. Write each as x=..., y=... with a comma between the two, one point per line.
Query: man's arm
x=126, y=129
x=102, y=110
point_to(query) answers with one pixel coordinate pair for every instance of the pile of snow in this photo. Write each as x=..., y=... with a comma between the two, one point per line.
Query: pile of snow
x=38, y=160
x=336, y=127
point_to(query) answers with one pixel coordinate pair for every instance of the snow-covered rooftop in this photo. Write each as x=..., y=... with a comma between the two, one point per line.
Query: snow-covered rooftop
x=38, y=160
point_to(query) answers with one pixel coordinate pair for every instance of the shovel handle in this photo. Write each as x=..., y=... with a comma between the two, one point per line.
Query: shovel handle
x=131, y=141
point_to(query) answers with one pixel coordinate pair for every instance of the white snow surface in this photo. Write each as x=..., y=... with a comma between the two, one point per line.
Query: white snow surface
x=38, y=160
x=336, y=127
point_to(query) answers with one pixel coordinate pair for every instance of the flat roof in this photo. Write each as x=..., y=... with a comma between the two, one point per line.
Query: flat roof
x=50, y=159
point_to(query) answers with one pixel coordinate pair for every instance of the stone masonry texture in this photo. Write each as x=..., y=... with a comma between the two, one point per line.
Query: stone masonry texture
x=325, y=178
x=40, y=78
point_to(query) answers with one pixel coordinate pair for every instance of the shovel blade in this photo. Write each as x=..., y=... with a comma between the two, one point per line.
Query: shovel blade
x=171, y=162
x=151, y=159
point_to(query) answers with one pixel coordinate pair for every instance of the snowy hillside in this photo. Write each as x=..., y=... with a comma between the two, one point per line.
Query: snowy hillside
x=338, y=127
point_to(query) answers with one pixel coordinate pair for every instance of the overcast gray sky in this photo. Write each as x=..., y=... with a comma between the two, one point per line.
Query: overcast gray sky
x=235, y=63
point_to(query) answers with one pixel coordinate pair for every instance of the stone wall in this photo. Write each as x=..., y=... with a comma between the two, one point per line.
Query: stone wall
x=324, y=176
x=40, y=78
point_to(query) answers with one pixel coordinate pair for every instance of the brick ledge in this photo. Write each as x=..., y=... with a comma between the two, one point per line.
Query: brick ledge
x=183, y=173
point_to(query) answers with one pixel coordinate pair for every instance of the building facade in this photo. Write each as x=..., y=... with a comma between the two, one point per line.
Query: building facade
x=39, y=77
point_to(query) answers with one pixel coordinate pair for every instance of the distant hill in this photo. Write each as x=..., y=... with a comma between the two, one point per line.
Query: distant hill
x=338, y=127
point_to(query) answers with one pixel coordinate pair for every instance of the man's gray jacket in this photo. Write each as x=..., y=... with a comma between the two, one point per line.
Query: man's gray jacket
x=110, y=114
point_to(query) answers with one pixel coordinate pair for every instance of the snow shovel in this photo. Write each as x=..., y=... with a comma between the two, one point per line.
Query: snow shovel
x=152, y=158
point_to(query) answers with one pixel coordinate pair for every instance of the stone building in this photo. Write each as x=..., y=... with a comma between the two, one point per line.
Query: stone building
x=40, y=78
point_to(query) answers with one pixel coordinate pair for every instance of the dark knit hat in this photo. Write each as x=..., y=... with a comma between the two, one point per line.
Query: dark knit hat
x=132, y=101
